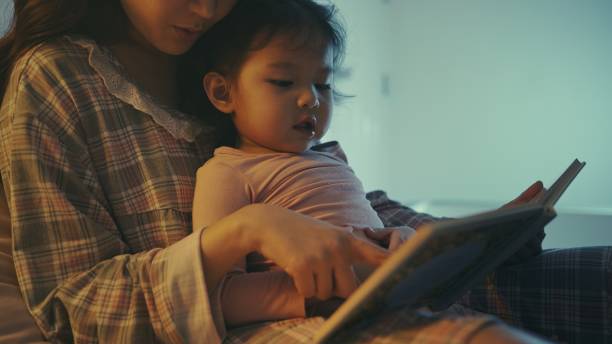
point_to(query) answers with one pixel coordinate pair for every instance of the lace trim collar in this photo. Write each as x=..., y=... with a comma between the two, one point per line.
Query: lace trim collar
x=178, y=124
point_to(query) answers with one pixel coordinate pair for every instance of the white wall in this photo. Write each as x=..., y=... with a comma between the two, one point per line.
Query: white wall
x=462, y=104
x=360, y=122
x=6, y=10
x=484, y=96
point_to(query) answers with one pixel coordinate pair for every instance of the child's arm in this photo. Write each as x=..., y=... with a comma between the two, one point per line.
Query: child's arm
x=219, y=191
x=260, y=296
x=245, y=297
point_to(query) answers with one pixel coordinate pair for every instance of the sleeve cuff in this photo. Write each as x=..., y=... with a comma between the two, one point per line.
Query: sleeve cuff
x=197, y=318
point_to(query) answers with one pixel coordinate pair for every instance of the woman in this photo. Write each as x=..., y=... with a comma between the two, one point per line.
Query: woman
x=98, y=166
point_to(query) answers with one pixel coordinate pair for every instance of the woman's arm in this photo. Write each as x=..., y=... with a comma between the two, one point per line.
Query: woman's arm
x=317, y=255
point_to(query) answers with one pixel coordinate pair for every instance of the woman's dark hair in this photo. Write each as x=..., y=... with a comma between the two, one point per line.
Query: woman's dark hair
x=248, y=27
x=253, y=23
x=35, y=21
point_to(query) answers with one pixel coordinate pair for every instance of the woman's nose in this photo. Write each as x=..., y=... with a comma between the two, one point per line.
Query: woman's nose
x=205, y=9
x=309, y=99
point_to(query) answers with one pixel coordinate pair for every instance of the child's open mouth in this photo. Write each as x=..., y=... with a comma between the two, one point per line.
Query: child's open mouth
x=307, y=126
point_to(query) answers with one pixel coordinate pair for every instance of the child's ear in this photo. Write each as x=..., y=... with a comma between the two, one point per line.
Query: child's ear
x=217, y=88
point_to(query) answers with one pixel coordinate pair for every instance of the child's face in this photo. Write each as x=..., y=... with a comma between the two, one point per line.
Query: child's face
x=282, y=98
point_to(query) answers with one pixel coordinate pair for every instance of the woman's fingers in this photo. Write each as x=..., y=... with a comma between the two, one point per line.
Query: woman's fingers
x=324, y=283
x=335, y=276
x=331, y=277
x=380, y=235
x=396, y=240
x=390, y=237
x=399, y=236
x=304, y=281
x=526, y=196
x=345, y=280
x=367, y=252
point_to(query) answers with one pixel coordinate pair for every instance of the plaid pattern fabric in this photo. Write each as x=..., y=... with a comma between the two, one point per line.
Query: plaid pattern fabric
x=402, y=326
x=394, y=214
x=98, y=194
x=565, y=295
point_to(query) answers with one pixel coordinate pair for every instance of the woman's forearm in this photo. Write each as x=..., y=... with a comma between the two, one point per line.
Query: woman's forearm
x=317, y=255
x=223, y=244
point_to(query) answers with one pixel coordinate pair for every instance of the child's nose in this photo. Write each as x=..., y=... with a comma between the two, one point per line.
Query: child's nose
x=309, y=99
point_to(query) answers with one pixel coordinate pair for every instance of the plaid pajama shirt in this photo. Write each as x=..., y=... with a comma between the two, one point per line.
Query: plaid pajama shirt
x=99, y=181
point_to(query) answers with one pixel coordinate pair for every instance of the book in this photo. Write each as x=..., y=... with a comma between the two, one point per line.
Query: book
x=444, y=259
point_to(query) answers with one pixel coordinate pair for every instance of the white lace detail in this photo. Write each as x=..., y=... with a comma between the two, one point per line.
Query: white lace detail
x=118, y=84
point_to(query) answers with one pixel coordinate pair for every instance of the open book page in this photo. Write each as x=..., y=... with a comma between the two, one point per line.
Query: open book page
x=552, y=195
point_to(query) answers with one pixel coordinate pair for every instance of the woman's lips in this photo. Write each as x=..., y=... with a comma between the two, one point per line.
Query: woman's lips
x=189, y=33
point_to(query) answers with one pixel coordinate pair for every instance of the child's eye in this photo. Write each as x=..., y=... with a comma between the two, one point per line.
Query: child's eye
x=280, y=83
x=323, y=87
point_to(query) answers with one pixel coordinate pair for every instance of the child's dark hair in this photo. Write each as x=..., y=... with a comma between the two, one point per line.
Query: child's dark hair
x=250, y=26
x=253, y=23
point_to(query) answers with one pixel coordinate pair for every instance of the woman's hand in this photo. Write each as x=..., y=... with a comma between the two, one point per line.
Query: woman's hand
x=531, y=194
x=390, y=238
x=317, y=255
x=534, y=246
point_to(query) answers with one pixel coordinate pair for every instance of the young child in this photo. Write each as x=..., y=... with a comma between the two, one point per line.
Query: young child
x=269, y=66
